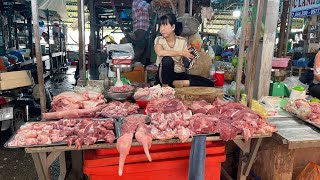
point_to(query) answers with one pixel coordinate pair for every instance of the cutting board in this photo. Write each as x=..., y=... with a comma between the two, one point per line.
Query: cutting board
x=198, y=93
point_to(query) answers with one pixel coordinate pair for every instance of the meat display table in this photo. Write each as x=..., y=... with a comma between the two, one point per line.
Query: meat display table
x=289, y=150
x=43, y=157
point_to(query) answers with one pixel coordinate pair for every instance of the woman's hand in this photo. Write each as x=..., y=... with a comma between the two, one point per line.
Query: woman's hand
x=187, y=53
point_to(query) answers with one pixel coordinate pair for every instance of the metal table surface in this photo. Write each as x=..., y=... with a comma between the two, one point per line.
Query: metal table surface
x=295, y=133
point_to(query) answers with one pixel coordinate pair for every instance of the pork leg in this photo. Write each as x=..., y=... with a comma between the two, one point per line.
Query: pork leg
x=143, y=136
x=123, y=147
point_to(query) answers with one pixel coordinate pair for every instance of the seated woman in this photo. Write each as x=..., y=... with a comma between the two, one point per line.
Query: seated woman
x=170, y=50
x=314, y=88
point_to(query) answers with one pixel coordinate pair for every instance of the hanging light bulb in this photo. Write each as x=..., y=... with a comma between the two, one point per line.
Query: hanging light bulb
x=236, y=13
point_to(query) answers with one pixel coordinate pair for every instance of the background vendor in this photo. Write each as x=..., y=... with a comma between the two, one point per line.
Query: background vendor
x=170, y=50
x=314, y=88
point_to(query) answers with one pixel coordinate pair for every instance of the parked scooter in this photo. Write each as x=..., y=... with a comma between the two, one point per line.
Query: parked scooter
x=16, y=106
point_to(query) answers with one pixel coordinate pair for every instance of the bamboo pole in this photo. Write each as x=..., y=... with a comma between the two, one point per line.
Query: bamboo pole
x=241, y=50
x=255, y=51
x=81, y=28
x=35, y=20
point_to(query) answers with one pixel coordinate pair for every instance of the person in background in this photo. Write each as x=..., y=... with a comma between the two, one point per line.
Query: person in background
x=141, y=23
x=170, y=50
x=202, y=66
x=314, y=88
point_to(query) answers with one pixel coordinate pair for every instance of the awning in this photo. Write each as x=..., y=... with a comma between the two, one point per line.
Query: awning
x=58, y=6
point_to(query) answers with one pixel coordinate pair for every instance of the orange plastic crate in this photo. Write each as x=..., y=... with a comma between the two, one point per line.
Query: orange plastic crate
x=172, y=169
x=170, y=161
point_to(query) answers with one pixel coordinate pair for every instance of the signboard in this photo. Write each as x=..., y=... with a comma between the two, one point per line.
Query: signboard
x=304, y=8
x=297, y=23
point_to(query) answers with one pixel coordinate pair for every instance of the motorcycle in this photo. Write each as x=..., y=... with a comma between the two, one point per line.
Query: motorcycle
x=15, y=108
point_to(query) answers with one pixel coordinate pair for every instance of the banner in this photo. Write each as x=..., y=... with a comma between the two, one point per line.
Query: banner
x=304, y=8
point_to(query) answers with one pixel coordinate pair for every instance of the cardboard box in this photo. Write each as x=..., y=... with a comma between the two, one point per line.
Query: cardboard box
x=137, y=75
x=15, y=79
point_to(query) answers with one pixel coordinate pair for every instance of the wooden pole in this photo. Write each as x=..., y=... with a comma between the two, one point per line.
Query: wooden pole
x=255, y=50
x=81, y=28
x=182, y=7
x=283, y=26
x=34, y=6
x=288, y=28
x=267, y=54
x=241, y=50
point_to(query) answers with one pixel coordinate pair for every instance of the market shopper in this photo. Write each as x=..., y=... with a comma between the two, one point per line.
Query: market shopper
x=171, y=50
x=314, y=88
x=141, y=23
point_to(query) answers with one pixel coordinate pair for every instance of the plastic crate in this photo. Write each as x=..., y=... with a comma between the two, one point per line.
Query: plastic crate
x=280, y=62
x=169, y=161
x=117, y=61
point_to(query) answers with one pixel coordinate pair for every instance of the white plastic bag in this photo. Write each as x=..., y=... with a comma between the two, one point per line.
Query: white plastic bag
x=103, y=71
x=227, y=35
x=293, y=81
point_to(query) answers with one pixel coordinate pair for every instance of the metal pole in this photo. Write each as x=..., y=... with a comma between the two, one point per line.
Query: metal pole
x=241, y=50
x=255, y=50
x=283, y=26
x=288, y=28
x=35, y=20
x=81, y=27
x=190, y=10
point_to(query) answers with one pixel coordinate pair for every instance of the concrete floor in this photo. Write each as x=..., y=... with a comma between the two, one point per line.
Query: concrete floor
x=15, y=164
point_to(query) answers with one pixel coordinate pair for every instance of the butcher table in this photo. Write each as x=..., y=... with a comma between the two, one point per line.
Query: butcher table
x=43, y=157
x=291, y=148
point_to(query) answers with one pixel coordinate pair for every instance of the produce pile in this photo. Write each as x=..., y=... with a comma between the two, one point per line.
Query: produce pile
x=305, y=110
x=70, y=131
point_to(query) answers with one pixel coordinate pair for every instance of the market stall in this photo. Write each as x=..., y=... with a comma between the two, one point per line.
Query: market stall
x=154, y=116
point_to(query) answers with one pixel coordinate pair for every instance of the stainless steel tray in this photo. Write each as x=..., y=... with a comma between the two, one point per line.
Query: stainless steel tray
x=116, y=131
x=305, y=120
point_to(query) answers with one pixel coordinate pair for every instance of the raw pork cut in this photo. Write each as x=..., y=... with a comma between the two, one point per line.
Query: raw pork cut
x=123, y=147
x=133, y=124
x=77, y=131
x=118, y=109
x=300, y=107
x=315, y=112
x=169, y=119
x=75, y=113
x=153, y=93
x=71, y=100
x=143, y=136
x=227, y=118
x=124, y=88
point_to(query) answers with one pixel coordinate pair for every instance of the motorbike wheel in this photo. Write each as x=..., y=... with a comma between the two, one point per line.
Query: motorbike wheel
x=19, y=117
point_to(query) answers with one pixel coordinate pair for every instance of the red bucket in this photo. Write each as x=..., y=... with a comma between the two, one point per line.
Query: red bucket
x=219, y=78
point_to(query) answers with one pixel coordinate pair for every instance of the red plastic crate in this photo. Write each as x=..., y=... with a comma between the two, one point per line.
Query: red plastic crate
x=280, y=62
x=172, y=169
x=121, y=61
x=170, y=161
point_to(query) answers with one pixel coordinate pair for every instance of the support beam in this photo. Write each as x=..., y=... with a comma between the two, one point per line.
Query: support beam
x=252, y=69
x=265, y=65
x=288, y=28
x=34, y=5
x=182, y=7
x=241, y=50
x=81, y=26
x=30, y=44
x=283, y=26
